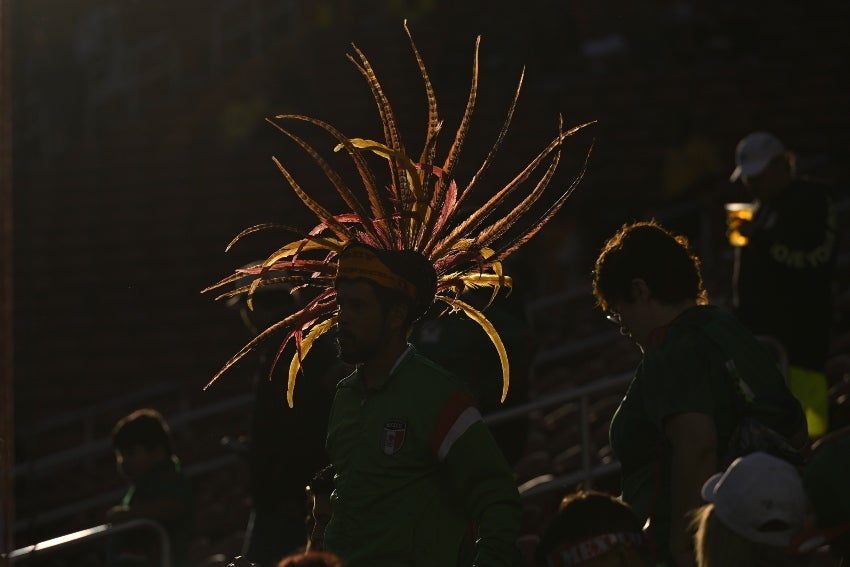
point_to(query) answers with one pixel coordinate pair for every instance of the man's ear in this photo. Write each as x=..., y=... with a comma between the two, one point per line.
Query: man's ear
x=639, y=290
x=397, y=315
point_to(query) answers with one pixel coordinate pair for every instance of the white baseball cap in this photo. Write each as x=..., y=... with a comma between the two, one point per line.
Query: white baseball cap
x=759, y=497
x=754, y=152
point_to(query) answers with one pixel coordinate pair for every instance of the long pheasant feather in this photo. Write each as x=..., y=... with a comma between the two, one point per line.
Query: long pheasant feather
x=463, y=128
x=283, y=323
x=398, y=184
x=366, y=175
x=433, y=117
x=488, y=327
x=449, y=212
x=417, y=209
x=342, y=189
x=326, y=217
x=457, y=144
x=535, y=227
x=475, y=219
x=497, y=229
x=498, y=143
x=317, y=331
x=258, y=228
x=479, y=215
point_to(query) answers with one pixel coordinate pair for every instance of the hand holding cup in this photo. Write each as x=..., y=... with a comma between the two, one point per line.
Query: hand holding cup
x=738, y=219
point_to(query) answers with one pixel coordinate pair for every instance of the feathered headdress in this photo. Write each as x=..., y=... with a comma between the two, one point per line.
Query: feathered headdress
x=418, y=209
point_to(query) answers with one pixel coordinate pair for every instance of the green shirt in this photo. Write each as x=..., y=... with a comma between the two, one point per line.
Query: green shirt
x=165, y=481
x=416, y=468
x=686, y=369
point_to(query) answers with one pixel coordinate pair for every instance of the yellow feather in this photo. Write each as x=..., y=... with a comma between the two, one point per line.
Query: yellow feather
x=461, y=245
x=306, y=344
x=488, y=327
x=420, y=210
x=390, y=154
x=497, y=269
x=487, y=253
x=313, y=243
x=381, y=149
x=487, y=280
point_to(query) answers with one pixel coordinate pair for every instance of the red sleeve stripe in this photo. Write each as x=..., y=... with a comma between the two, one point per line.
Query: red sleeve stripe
x=458, y=414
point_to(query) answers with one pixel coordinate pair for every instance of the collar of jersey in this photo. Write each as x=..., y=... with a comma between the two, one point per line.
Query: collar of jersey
x=658, y=335
x=398, y=363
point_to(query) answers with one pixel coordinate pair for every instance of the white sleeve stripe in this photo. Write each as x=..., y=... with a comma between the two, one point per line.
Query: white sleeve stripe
x=463, y=422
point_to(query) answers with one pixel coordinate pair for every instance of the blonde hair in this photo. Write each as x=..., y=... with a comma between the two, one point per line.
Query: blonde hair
x=715, y=545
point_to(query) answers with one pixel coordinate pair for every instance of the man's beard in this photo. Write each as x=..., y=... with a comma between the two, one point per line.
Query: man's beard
x=354, y=352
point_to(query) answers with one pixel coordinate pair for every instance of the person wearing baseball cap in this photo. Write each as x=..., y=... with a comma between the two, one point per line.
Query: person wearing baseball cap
x=754, y=154
x=782, y=276
x=755, y=509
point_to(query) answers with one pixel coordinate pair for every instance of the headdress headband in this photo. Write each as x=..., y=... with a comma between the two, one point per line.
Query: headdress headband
x=362, y=262
x=416, y=208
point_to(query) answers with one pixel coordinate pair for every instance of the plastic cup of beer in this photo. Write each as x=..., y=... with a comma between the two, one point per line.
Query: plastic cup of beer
x=736, y=215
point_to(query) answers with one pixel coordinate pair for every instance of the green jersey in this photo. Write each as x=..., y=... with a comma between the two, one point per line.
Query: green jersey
x=165, y=481
x=692, y=366
x=417, y=470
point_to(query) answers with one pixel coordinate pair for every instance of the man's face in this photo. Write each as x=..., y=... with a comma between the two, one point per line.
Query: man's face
x=362, y=324
x=769, y=181
x=135, y=461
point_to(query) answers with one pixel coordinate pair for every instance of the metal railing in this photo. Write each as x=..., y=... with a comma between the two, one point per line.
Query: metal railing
x=85, y=418
x=571, y=348
x=541, y=485
x=588, y=471
x=39, y=550
x=101, y=447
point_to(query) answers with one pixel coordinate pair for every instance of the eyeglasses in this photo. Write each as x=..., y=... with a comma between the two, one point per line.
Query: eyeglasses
x=614, y=318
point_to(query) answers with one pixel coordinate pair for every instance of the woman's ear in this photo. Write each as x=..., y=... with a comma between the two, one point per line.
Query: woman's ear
x=639, y=290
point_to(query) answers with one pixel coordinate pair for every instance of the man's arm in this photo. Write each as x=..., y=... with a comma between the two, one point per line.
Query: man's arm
x=693, y=439
x=486, y=485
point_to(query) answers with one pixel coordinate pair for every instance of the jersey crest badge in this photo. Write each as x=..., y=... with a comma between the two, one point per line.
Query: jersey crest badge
x=394, y=431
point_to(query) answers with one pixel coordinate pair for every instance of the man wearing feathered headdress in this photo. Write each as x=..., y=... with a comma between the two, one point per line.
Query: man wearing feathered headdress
x=419, y=479
x=415, y=462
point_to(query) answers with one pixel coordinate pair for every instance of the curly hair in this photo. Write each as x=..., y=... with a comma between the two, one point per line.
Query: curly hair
x=648, y=251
